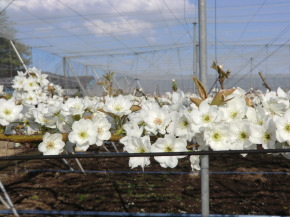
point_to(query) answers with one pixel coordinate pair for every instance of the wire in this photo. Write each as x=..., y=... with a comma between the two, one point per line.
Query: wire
x=261, y=62
x=125, y=154
x=186, y=30
x=271, y=42
x=121, y=15
x=154, y=172
x=6, y=7
x=248, y=22
x=110, y=34
x=100, y=213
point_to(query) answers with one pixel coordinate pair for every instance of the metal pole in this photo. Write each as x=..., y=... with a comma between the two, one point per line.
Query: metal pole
x=64, y=73
x=78, y=80
x=202, y=42
x=251, y=73
x=203, y=78
x=194, y=50
x=18, y=55
x=194, y=54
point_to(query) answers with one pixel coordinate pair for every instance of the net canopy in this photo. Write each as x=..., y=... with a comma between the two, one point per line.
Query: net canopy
x=148, y=43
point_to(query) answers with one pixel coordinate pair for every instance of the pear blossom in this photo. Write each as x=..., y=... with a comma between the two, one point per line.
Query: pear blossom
x=283, y=127
x=275, y=102
x=102, y=127
x=156, y=120
x=42, y=79
x=173, y=119
x=169, y=144
x=119, y=105
x=64, y=123
x=30, y=98
x=43, y=119
x=256, y=115
x=19, y=81
x=52, y=144
x=9, y=111
x=132, y=130
x=83, y=134
x=217, y=137
x=138, y=145
x=239, y=135
x=181, y=124
x=73, y=106
x=205, y=116
x=264, y=134
x=234, y=109
x=31, y=84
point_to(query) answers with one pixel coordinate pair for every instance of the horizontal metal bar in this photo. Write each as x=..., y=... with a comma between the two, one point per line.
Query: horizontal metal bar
x=125, y=154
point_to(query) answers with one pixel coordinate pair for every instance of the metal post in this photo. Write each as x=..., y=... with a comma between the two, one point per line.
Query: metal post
x=202, y=42
x=203, y=79
x=251, y=73
x=64, y=73
x=194, y=54
x=194, y=50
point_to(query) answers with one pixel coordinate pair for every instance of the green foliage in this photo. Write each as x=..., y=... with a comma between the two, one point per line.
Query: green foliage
x=83, y=197
x=34, y=197
x=9, y=62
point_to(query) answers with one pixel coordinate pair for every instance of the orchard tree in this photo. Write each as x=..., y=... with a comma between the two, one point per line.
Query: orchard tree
x=9, y=62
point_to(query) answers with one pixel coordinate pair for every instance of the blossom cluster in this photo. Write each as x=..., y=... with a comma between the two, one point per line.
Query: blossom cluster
x=176, y=122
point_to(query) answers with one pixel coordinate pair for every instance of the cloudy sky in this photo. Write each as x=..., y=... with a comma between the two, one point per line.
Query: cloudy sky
x=152, y=37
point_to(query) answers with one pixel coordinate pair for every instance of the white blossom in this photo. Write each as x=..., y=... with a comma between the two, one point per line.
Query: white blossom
x=138, y=145
x=9, y=111
x=83, y=134
x=52, y=144
x=169, y=144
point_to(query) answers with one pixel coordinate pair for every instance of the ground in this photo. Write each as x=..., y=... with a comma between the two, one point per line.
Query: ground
x=242, y=189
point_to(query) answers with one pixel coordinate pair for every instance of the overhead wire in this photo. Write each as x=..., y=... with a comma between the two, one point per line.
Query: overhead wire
x=121, y=15
x=186, y=30
x=106, y=52
x=7, y=6
x=45, y=21
x=248, y=22
x=261, y=62
x=110, y=34
x=166, y=22
x=269, y=44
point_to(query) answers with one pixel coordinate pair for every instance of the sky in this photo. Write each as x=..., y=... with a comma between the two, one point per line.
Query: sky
x=152, y=38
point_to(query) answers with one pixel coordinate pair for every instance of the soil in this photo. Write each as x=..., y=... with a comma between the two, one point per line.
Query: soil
x=242, y=189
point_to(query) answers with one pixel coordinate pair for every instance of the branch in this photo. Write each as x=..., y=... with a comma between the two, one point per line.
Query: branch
x=264, y=81
x=39, y=138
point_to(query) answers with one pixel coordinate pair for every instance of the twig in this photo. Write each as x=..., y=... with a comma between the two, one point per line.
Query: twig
x=39, y=137
x=264, y=81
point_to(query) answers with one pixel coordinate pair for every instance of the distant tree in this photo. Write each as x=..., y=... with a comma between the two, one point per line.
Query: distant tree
x=9, y=62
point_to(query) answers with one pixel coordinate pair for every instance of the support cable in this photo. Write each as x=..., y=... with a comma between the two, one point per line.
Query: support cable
x=261, y=62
